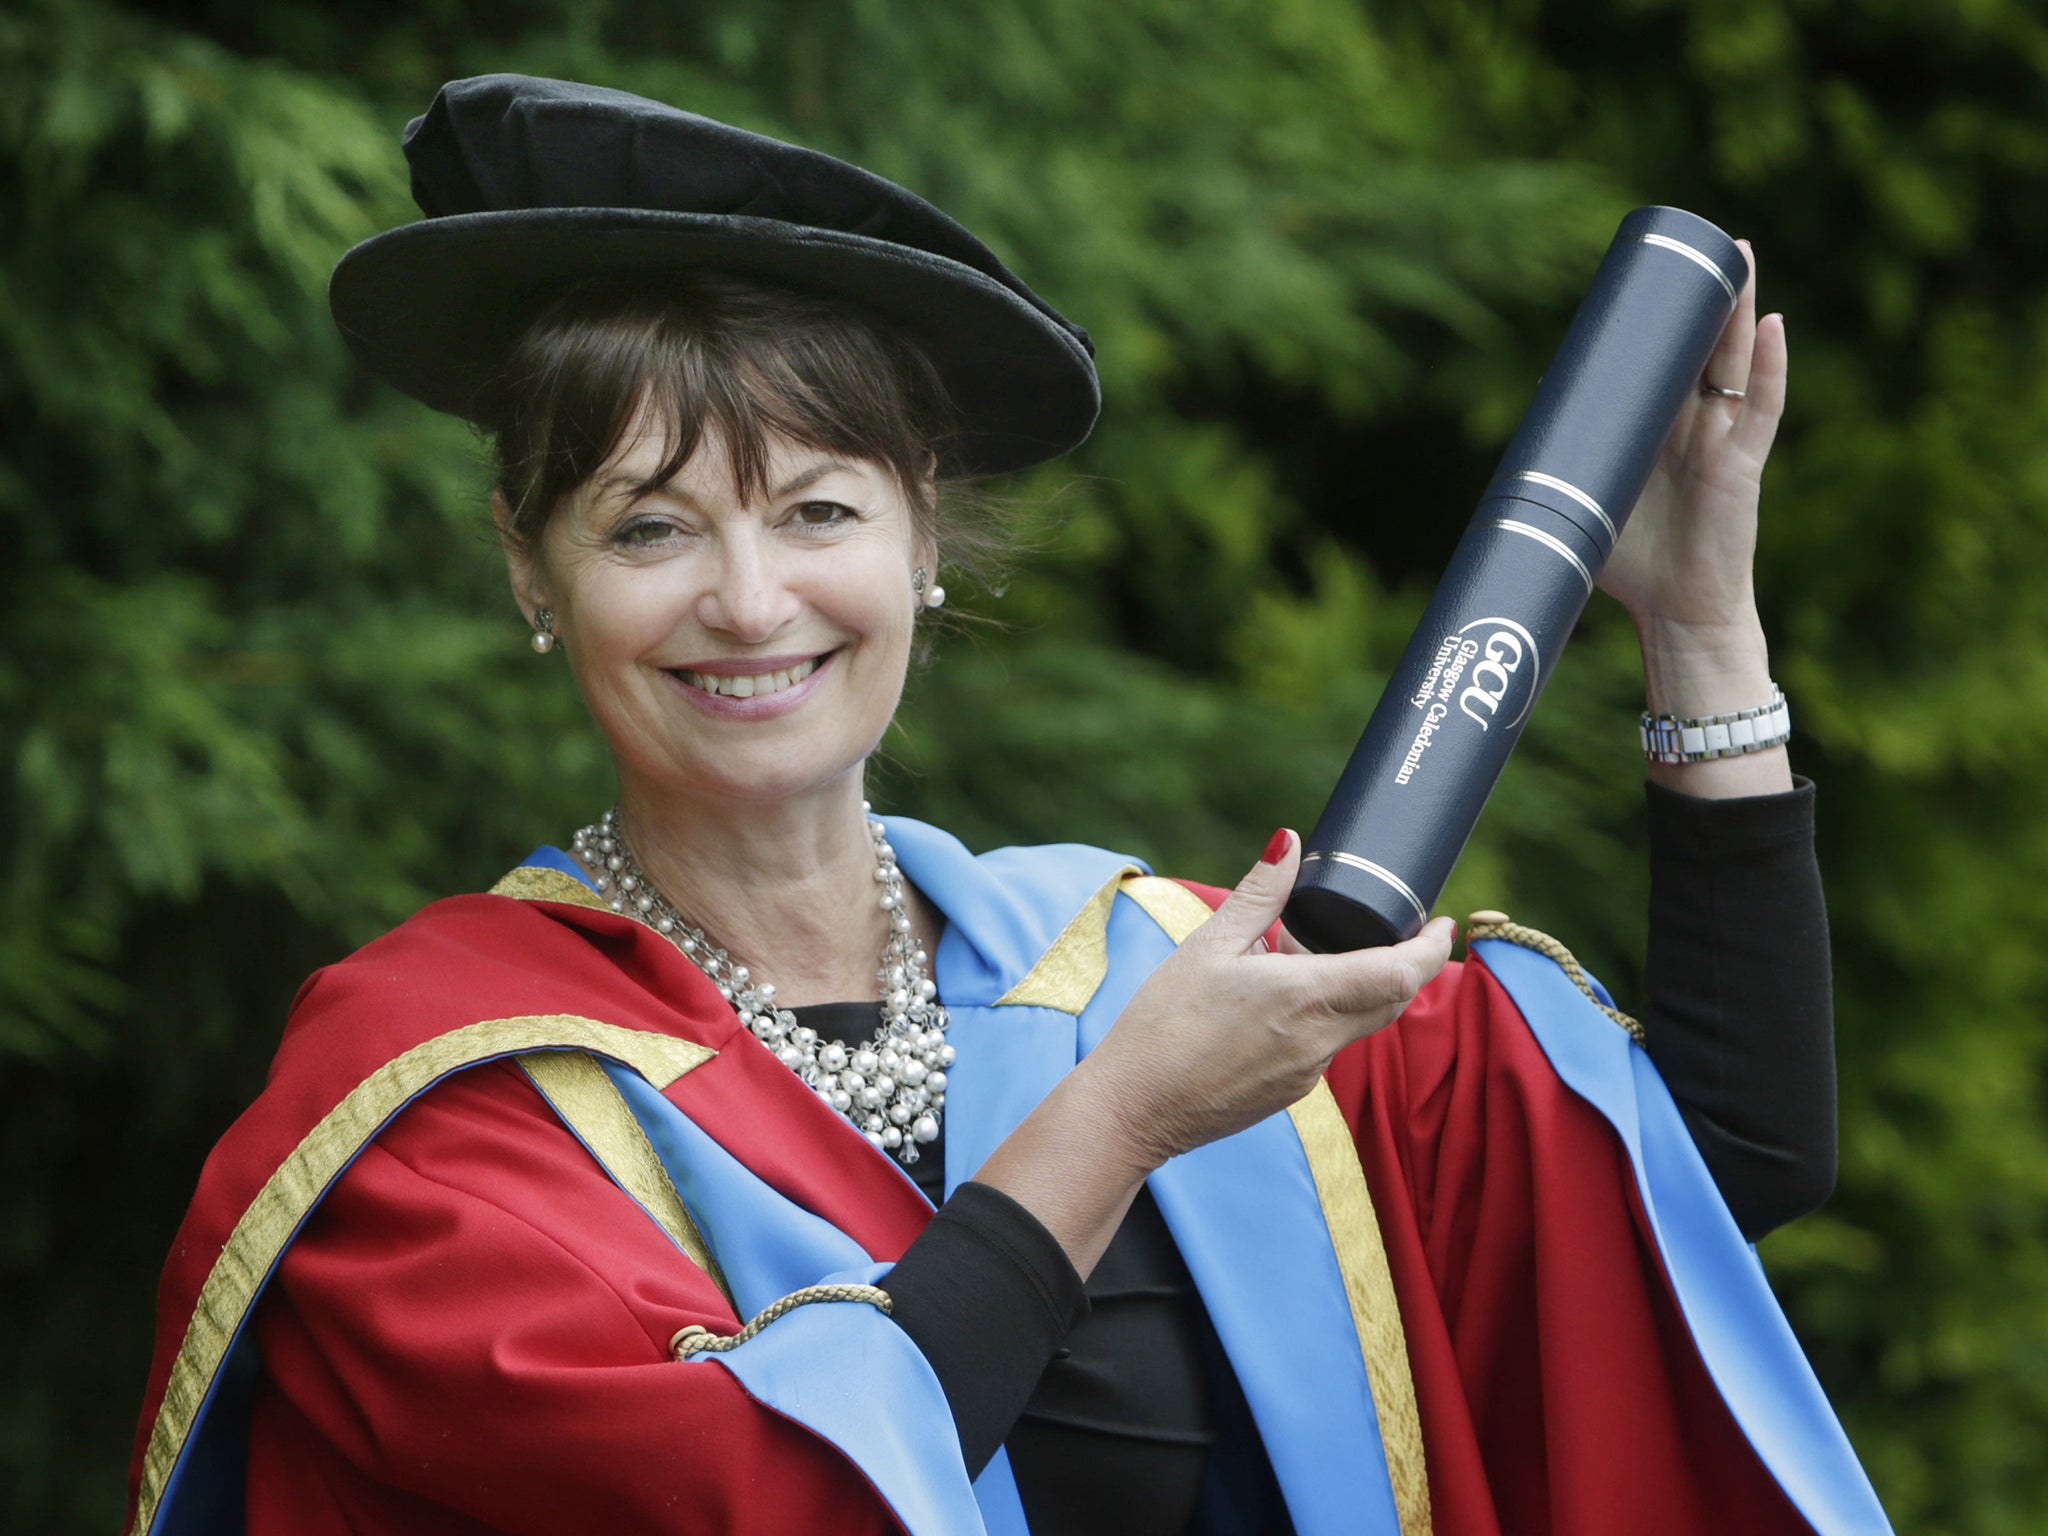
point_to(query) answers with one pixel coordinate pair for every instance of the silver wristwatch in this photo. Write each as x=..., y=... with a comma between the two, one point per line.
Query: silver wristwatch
x=1673, y=739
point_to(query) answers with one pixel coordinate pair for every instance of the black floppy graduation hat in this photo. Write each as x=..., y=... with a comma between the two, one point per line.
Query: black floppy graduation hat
x=528, y=184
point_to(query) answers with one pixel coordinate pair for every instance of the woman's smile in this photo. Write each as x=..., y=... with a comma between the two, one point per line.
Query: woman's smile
x=751, y=690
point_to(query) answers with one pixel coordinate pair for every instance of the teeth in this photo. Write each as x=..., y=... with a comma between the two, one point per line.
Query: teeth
x=749, y=687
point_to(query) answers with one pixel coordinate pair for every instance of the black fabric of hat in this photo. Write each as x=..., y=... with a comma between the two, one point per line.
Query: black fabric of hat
x=529, y=184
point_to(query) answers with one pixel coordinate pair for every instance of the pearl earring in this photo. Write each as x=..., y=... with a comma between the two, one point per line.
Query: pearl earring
x=924, y=596
x=543, y=630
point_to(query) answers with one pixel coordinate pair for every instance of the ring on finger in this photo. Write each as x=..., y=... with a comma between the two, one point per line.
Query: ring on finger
x=1725, y=394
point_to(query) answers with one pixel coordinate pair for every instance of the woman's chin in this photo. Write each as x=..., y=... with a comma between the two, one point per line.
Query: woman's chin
x=759, y=785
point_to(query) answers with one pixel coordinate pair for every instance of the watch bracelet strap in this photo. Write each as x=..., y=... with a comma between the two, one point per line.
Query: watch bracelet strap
x=1674, y=739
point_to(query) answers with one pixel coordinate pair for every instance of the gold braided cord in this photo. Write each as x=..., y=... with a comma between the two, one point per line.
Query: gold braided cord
x=1498, y=926
x=698, y=1340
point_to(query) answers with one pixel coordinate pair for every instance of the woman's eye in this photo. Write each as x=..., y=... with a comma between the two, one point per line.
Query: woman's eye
x=824, y=514
x=644, y=532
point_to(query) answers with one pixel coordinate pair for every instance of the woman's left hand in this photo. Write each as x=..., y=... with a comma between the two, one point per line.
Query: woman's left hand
x=1683, y=566
x=1683, y=563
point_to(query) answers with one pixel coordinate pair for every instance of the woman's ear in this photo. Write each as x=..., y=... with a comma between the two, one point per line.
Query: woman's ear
x=925, y=544
x=522, y=566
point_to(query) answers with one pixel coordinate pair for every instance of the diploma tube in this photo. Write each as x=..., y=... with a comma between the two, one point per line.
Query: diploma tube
x=1457, y=702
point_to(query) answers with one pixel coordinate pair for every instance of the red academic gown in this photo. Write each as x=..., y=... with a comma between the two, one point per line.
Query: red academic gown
x=1546, y=1345
x=470, y=1331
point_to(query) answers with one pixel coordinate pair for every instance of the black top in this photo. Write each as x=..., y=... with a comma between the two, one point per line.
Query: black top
x=1115, y=1401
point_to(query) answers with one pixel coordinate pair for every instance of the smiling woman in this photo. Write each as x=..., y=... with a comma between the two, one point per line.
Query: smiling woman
x=734, y=643
x=582, y=1204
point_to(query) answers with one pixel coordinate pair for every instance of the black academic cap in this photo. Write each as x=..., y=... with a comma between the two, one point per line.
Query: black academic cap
x=529, y=184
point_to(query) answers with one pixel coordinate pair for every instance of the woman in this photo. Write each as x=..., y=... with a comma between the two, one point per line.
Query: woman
x=485, y=1254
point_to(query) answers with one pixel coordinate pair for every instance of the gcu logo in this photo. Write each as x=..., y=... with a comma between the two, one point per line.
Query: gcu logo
x=1494, y=674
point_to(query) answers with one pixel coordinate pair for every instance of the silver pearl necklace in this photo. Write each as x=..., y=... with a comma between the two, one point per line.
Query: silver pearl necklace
x=893, y=1088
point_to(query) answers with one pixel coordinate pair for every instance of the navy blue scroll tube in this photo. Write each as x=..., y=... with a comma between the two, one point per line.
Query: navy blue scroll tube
x=1457, y=702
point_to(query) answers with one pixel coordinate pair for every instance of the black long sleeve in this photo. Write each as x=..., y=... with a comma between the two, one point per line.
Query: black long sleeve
x=989, y=1296
x=1740, y=1016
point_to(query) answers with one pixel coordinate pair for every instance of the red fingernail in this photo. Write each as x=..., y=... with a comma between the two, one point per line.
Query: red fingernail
x=1276, y=850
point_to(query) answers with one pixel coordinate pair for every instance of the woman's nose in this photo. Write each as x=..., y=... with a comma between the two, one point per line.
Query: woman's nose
x=747, y=597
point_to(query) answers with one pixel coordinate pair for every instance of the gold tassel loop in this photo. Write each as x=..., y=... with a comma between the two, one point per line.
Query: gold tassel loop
x=1497, y=925
x=699, y=1340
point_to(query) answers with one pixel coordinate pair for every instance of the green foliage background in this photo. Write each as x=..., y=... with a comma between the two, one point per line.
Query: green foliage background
x=261, y=692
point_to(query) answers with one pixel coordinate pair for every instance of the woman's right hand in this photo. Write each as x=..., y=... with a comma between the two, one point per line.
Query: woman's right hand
x=1226, y=1032
x=1221, y=1035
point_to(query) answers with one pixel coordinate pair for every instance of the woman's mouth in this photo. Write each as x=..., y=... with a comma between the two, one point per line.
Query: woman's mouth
x=748, y=685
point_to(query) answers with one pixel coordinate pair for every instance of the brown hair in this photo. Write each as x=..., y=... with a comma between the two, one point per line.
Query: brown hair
x=746, y=358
